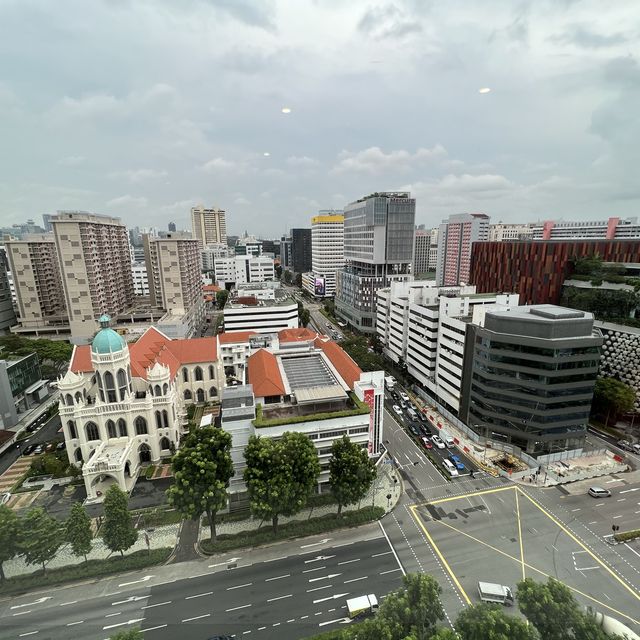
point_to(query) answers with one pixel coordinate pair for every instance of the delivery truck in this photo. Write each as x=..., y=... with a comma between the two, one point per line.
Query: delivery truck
x=497, y=593
x=362, y=606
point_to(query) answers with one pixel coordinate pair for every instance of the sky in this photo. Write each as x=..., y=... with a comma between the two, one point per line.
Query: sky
x=145, y=108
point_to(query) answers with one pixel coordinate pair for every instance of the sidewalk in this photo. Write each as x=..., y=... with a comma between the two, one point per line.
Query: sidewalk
x=377, y=496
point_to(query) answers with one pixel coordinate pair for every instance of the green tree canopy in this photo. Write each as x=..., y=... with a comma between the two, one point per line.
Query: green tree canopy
x=9, y=536
x=221, y=298
x=491, y=622
x=351, y=472
x=52, y=353
x=42, y=537
x=287, y=276
x=202, y=469
x=129, y=634
x=612, y=397
x=119, y=533
x=280, y=474
x=78, y=530
x=358, y=348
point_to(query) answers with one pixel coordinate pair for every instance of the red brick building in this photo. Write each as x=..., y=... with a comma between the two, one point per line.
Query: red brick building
x=536, y=269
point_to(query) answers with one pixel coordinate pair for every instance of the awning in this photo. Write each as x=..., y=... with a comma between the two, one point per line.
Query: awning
x=35, y=386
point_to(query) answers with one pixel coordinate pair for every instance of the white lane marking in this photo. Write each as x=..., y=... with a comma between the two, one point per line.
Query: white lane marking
x=244, y=606
x=270, y=560
x=275, y=624
x=199, y=595
x=145, y=579
x=303, y=617
x=349, y=561
x=594, y=522
x=333, y=597
x=239, y=586
x=286, y=575
x=21, y=613
x=319, y=559
x=614, y=517
x=322, y=624
x=610, y=481
x=110, y=615
x=71, y=624
x=355, y=579
x=204, y=615
x=327, y=577
x=160, y=626
x=621, y=500
x=630, y=490
x=292, y=620
x=30, y=604
x=316, y=569
x=244, y=633
x=222, y=564
x=626, y=544
x=120, y=624
x=382, y=573
x=384, y=553
x=326, y=586
x=261, y=628
x=159, y=604
x=131, y=599
x=315, y=544
x=290, y=595
x=404, y=573
x=344, y=544
x=29, y=633
x=65, y=604
x=578, y=509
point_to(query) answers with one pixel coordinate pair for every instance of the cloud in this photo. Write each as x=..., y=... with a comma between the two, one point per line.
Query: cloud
x=138, y=175
x=254, y=14
x=467, y=183
x=128, y=201
x=301, y=161
x=71, y=161
x=220, y=164
x=583, y=37
x=240, y=199
x=375, y=160
x=387, y=21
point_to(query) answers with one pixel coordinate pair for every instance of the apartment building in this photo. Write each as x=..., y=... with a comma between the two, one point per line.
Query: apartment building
x=209, y=225
x=327, y=254
x=610, y=229
x=503, y=231
x=140, y=278
x=378, y=248
x=456, y=236
x=425, y=251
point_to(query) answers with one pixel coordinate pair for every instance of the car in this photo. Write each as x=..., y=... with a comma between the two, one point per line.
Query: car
x=50, y=446
x=397, y=409
x=61, y=445
x=425, y=431
x=404, y=396
x=457, y=462
x=33, y=427
x=38, y=450
x=414, y=430
x=220, y=638
x=625, y=444
x=636, y=448
x=403, y=404
x=5, y=497
x=29, y=449
x=329, y=325
x=426, y=443
x=449, y=466
x=437, y=441
x=599, y=492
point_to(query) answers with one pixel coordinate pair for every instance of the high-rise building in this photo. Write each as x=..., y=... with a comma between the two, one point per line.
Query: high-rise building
x=611, y=229
x=529, y=377
x=95, y=264
x=37, y=280
x=172, y=226
x=301, y=250
x=140, y=278
x=173, y=269
x=248, y=246
x=7, y=314
x=327, y=254
x=425, y=251
x=208, y=225
x=46, y=222
x=378, y=248
x=242, y=269
x=286, y=257
x=502, y=231
x=455, y=238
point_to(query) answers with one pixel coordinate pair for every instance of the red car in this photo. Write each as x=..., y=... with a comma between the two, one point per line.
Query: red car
x=426, y=443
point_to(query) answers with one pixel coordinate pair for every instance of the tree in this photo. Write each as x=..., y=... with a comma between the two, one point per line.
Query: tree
x=280, y=475
x=490, y=622
x=303, y=315
x=287, y=276
x=42, y=537
x=351, y=472
x=297, y=280
x=358, y=348
x=129, y=634
x=119, y=533
x=78, y=530
x=278, y=271
x=221, y=298
x=9, y=536
x=613, y=396
x=202, y=469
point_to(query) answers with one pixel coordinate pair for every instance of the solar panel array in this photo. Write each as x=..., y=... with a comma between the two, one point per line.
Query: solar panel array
x=308, y=371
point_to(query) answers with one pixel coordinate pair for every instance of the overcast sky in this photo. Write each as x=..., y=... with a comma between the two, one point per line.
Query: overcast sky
x=143, y=108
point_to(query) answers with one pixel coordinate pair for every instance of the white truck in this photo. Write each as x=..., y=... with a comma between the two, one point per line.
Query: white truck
x=389, y=383
x=362, y=606
x=497, y=593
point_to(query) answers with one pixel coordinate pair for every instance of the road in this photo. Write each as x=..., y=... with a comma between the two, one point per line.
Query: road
x=287, y=591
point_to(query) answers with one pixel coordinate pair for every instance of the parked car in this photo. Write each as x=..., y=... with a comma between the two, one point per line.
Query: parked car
x=414, y=430
x=29, y=449
x=457, y=462
x=61, y=445
x=636, y=448
x=426, y=443
x=33, y=427
x=397, y=409
x=50, y=446
x=38, y=450
x=625, y=444
x=437, y=441
x=599, y=492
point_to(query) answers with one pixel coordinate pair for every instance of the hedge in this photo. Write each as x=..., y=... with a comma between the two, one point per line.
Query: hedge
x=82, y=571
x=360, y=409
x=625, y=536
x=336, y=634
x=295, y=529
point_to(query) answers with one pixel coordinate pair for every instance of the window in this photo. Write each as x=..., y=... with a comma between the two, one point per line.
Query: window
x=157, y=391
x=165, y=444
x=158, y=420
x=200, y=395
x=198, y=373
x=212, y=372
x=122, y=428
x=110, y=387
x=92, y=431
x=122, y=383
x=71, y=426
x=111, y=429
x=78, y=397
x=213, y=392
x=78, y=455
x=165, y=418
x=141, y=426
x=187, y=394
x=185, y=375
x=165, y=388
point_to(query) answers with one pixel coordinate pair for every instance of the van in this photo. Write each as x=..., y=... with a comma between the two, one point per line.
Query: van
x=495, y=593
x=450, y=468
x=448, y=440
x=412, y=413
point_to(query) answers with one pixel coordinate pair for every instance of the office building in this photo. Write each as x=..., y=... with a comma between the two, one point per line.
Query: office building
x=95, y=263
x=7, y=312
x=37, y=281
x=529, y=377
x=378, y=248
x=502, y=231
x=300, y=250
x=424, y=327
x=172, y=226
x=242, y=269
x=260, y=307
x=425, y=251
x=537, y=269
x=46, y=222
x=173, y=268
x=327, y=254
x=208, y=225
x=286, y=256
x=270, y=248
x=610, y=229
x=212, y=252
x=456, y=236
x=248, y=246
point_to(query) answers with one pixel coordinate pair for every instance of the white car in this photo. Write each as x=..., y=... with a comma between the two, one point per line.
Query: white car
x=397, y=409
x=404, y=396
x=438, y=442
x=450, y=467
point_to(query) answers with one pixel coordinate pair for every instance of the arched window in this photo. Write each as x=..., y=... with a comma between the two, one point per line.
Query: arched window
x=99, y=380
x=200, y=395
x=187, y=394
x=92, y=431
x=69, y=398
x=145, y=453
x=185, y=374
x=71, y=425
x=141, y=426
x=111, y=429
x=165, y=443
x=213, y=392
x=122, y=428
x=198, y=373
x=165, y=388
x=156, y=390
x=158, y=420
x=212, y=372
x=122, y=383
x=110, y=387
x=165, y=418
x=78, y=396
x=78, y=455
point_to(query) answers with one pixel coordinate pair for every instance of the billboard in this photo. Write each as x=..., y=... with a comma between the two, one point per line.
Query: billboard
x=369, y=399
x=319, y=286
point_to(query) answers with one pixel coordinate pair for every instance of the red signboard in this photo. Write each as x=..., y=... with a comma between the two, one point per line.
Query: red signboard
x=369, y=399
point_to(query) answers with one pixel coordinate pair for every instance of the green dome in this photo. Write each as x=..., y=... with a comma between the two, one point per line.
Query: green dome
x=107, y=340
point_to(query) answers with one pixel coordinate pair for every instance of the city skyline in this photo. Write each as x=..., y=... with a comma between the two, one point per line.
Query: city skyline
x=130, y=134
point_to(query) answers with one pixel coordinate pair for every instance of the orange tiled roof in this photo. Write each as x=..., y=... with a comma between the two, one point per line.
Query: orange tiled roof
x=211, y=288
x=81, y=359
x=264, y=374
x=235, y=337
x=301, y=334
x=341, y=360
x=194, y=350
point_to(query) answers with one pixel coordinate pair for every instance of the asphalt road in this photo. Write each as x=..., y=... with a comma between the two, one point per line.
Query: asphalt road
x=285, y=597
